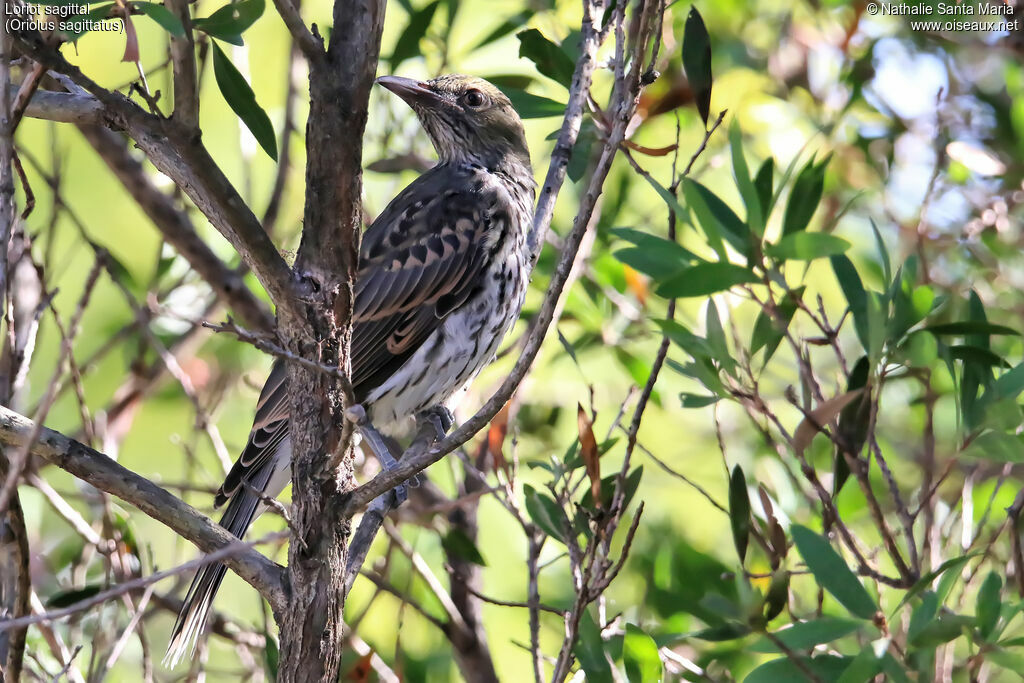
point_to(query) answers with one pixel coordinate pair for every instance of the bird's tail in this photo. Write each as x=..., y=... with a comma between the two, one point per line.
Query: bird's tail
x=242, y=509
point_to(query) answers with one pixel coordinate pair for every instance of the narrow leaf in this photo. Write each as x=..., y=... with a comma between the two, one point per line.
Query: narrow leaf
x=763, y=184
x=697, y=62
x=549, y=57
x=716, y=218
x=739, y=511
x=229, y=22
x=741, y=172
x=807, y=246
x=807, y=634
x=987, y=614
x=706, y=278
x=856, y=297
x=457, y=544
x=965, y=327
x=530, y=106
x=832, y=574
x=242, y=101
x=804, y=197
x=640, y=655
x=820, y=417
x=408, y=43
x=588, y=452
x=162, y=16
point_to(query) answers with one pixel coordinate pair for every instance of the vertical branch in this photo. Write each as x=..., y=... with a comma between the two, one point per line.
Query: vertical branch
x=339, y=90
x=14, y=577
x=472, y=653
x=186, y=78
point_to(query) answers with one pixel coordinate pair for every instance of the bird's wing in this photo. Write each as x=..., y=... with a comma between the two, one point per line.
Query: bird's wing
x=421, y=259
x=269, y=430
x=430, y=259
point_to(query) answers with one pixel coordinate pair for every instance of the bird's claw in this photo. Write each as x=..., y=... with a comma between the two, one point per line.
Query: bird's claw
x=440, y=418
x=357, y=415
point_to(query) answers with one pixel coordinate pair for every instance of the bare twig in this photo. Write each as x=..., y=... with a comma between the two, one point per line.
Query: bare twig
x=312, y=46
x=105, y=474
x=221, y=555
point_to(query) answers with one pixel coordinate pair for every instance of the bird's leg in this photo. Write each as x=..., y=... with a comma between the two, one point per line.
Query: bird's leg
x=357, y=415
x=440, y=418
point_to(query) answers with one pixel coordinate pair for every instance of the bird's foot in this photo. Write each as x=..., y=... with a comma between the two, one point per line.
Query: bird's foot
x=357, y=415
x=440, y=418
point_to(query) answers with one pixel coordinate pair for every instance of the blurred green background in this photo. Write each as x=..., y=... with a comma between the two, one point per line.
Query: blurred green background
x=799, y=79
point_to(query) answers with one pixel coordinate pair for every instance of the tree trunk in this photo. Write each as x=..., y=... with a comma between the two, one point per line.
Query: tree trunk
x=339, y=84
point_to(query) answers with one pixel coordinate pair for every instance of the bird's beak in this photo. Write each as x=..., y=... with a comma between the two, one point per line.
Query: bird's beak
x=412, y=91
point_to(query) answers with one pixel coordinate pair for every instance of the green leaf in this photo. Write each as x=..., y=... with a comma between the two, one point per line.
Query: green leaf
x=504, y=29
x=807, y=246
x=162, y=16
x=229, y=22
x=242, y=101
x=590, y=651
x=883, y=253
x=853, y=422
x=70, y=597
x=832, y=574
x=705, y=278
x=640, y=655
x=763, y=184
x=997, y=446
x=925, y=582
x=739, y=511
x=1008, y=385
x=944, y=628
x=660, y=258
x=549, y=58
x=804, y=197
x=629, y=487
x=768, y=330
x=741, y=172
x=96, y=13
x=697, y=401
x=856, y=297
x=408, y=43
x=922, y=615
x=785, y=670
x=530, y=106
x=458, y=544
x=965, y=327
x=976, y=354
x=717, y=219
x=866, y=665
x=987, y=612
x=716, y=337
x=808, y=634
x=271, y=656
x=546, y=513
x=1009, y=661
x=697, y=62
x=722, y=633
x=693, y=344
x=777, y=596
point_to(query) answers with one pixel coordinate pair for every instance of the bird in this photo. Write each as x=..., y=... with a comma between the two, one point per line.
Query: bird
x=441, y=279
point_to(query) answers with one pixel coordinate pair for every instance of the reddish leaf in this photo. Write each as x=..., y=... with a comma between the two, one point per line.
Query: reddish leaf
x=649, y=151
x=819, y=417
x=131, y=43
x=589, y=454
x=637, y=284
x=496, y=439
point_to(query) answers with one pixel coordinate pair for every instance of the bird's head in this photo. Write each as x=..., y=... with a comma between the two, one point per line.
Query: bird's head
x=466, y=118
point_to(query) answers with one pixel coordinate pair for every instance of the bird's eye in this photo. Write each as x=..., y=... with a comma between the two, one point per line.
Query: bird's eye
x=474, y=98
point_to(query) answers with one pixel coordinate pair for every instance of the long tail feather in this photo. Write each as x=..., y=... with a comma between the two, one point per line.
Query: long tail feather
x=242, y=509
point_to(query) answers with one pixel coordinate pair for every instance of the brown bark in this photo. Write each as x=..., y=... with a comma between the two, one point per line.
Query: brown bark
x=339, y=84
